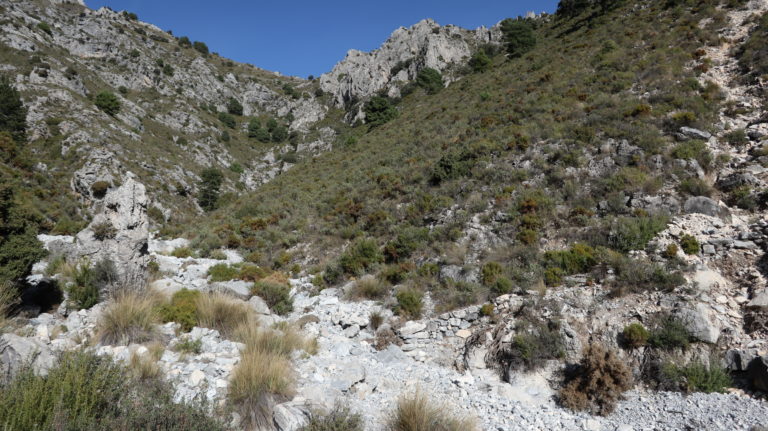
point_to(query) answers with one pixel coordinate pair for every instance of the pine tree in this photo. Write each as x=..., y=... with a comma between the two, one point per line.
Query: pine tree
x=210, y=183
x=13, y=114
x=518, y=36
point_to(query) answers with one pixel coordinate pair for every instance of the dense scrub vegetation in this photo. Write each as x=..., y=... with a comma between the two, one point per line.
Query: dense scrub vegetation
x=509, y=145
x=87, y=392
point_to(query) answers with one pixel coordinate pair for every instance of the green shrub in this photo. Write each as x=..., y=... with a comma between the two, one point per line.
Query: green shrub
x=223, y=272
x=689, y=244
x=189, y=346
x=519, y=36
x=379, y=110
x=753, y=54
x=338, y=419
x=108, y=102
x=360, y=257
x=430, y=80
x=452, y=166
x=181, y=309
x=182, y=252
x=633, y=233
x=737, y=137
x=406, y=242
x=553, y=276
x=743, y=198
x=490, y=273
x=87, y=392
x=210, y=183
x=234, y=107
x=694, y=150
x=579, y=259
x=88, y=281
x=487, y=310
x=533, y=345
x=409, y=303
x=695, y=187
x=227, y=119
x=527, y=236
x=200, y=47
x=635, y=335
x=44, y=26
x=502, y=286
x=99, y=189
x=633, y=275
x=671, y=251
x=696, y=377
x=480, y=62
x=277, y=296
x=670, y=334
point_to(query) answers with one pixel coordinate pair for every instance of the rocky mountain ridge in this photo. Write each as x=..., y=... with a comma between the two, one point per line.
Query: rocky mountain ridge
x=399, y=59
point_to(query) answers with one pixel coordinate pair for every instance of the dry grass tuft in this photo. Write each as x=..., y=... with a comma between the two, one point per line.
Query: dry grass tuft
x=416, y=412
x=222, y=313
x=264, y=374
x=143, y=367
x=598, y=383
x=130, y=317
x=368, y=288
x=260, y=380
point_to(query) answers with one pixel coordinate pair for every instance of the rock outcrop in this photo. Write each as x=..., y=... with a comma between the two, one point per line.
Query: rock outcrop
x=401, y=57
x=18, y=352
x=120, y=233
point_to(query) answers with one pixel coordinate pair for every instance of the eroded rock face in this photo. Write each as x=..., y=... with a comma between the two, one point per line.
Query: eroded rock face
x=99, y=167
x=125, y=211
x=17, y=352
x=705, y=205
x=401, y=57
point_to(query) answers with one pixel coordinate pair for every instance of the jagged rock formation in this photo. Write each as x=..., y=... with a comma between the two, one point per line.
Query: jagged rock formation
x=406, y=52
x=120, y=233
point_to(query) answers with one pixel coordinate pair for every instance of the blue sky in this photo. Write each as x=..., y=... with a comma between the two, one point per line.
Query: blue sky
x=304, y=38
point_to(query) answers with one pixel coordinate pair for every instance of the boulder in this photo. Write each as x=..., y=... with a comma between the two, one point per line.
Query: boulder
x=260, y=306
x=759, y=301
x=699, y=322
x=738, y=360
x=125, y=211
x=692, y=133
x=411, y=328
x=17, y=352
x=236, y=288
x=736, y=180
x=705, y=205
x=289, y=417
x=758, y=373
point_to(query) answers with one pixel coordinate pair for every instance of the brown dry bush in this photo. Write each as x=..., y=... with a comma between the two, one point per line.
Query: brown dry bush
x=597, y=383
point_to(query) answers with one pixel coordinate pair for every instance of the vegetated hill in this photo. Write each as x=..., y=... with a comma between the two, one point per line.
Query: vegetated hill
x=107, y=94
x=596, y=134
